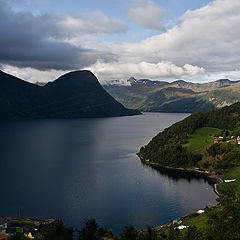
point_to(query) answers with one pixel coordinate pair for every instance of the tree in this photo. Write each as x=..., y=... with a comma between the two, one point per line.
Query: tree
x=225, y=221
x=174, y=233
x=91, y=231
x=193, y=234
x=150, y=234
x=129, y=233
x=17, y=236
x=56, y=231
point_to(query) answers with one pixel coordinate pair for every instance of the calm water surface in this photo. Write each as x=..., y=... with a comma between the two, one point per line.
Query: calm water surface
x=87, y=168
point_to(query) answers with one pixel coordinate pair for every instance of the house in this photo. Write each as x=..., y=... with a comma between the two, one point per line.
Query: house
x=229, y=180
x=200, y=211
x=13, y=226
x=3, y=236
x=177, y=220
x=3, y=225
x=14, y=223
x=218, y=139
x=214, y=173
x=182, y=227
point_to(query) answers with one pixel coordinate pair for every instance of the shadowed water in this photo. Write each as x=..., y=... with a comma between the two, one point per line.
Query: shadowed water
x=88, y=168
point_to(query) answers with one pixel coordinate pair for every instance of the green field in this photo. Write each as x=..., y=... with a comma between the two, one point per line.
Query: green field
x=199, y=222
x=233, y=173
x=201, y=139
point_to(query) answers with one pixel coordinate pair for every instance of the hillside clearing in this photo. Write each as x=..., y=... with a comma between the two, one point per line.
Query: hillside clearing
x=201, y=139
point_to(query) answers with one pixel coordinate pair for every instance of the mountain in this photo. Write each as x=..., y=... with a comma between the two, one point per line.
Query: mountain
x=178, y=96
x=73, y=95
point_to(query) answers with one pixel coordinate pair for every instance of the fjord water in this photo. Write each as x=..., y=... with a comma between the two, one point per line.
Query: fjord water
x=87, y=168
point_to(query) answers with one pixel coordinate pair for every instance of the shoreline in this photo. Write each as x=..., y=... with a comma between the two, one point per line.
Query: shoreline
x=217, y=180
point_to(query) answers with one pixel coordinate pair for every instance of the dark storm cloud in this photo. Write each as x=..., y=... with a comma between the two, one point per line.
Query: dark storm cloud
x=28, y=40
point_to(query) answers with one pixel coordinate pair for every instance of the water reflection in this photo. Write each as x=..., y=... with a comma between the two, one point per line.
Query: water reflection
x=177, y=175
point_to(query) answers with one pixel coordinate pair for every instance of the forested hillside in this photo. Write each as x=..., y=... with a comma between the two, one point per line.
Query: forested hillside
x=169, y=148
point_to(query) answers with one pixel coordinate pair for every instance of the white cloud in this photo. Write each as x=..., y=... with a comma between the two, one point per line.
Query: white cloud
x=161, y=70
x=193, y=70
x=32, y=75
x=208, y=38
x=148, y=15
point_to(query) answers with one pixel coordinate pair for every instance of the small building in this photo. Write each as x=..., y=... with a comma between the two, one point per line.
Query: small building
x=14, y=223
x=229, y=180
x=37, y=224
x=182, y=227
x=13, y=226
x=3, y=225
x=177, y=220
x=214, y=173
x=200, y=211
x=218, y=139
x=3, y=236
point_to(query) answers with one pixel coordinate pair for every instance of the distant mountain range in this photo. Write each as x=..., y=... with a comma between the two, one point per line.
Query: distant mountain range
x=73, y=95
x=178, y=96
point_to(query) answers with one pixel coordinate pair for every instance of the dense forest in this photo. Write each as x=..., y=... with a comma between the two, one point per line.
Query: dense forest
x=168, y=147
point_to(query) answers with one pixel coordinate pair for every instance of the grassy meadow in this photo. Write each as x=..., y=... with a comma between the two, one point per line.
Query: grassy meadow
x=201, y=139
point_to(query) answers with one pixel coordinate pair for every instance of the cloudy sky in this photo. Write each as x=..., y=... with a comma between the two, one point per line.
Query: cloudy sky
x=116, y=39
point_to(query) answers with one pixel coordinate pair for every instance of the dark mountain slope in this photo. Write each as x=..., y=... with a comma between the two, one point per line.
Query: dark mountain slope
x=79, y=94
x=73, y=95
x=18, y=98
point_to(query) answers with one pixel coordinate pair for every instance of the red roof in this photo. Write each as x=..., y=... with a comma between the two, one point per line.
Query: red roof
x=3, y=236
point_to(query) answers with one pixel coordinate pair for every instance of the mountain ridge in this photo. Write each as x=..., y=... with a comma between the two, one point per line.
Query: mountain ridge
x=162, y=96
x=74, y=95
